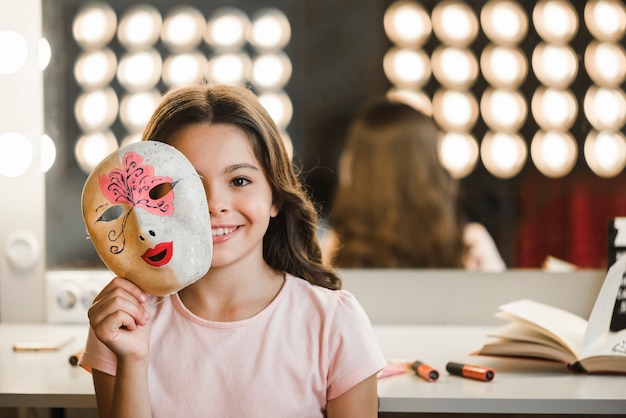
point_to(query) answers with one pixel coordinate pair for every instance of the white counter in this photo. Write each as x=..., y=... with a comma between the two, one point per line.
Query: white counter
x=47, y=380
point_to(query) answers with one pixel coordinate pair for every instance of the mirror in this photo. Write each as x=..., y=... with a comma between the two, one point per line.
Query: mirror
x=337, y=50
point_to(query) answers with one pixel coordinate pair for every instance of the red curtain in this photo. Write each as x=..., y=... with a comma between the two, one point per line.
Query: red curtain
x=567, y=218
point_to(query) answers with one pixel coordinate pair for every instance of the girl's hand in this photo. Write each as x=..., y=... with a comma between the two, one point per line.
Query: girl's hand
x=120, y=319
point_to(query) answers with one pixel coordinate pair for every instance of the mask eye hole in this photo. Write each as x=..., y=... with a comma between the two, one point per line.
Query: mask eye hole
x=160, y=190
x=111, y=213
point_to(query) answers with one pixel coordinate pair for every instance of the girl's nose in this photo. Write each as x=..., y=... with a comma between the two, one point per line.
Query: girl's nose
x=218, y=202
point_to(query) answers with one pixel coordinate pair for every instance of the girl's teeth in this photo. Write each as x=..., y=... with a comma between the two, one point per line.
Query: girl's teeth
x=221, y=231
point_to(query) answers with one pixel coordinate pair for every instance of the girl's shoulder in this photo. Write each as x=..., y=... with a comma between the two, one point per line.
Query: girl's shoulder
x=483, y=254
x=319, y=298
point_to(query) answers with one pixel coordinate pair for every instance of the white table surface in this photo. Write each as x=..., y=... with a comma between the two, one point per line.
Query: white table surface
x=43, y=379
x=47, y=380
x=519, y=386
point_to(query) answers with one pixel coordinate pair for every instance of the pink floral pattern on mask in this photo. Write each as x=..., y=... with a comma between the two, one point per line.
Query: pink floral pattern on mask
x=133, y=183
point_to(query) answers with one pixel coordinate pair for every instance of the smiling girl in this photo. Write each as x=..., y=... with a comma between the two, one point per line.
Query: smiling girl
x=267, y=332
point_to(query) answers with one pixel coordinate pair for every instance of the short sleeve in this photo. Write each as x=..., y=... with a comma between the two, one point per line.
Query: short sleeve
x=353, y=351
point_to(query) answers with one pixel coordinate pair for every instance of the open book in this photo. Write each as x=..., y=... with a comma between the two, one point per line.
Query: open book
x=537, y=330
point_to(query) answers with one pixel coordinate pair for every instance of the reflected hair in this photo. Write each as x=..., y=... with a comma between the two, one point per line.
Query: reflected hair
x=290, y=243
x=396, y=205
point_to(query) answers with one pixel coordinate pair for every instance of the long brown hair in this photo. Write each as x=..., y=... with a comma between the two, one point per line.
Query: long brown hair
x=290, y=243
x=396, y=205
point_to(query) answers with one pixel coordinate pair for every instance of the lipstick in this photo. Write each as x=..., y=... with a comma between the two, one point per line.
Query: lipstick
x=425, y=371
x=486, y=374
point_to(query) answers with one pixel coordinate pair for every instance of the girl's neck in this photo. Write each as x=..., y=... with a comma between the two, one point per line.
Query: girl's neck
x=227, y=294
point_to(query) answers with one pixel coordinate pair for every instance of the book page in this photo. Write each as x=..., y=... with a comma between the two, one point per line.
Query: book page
x=599, y=340
x=522, y=349
x=561, y=325
x=518, y=332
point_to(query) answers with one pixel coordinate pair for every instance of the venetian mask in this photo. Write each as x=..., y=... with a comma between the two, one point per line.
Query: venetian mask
x=147, y=216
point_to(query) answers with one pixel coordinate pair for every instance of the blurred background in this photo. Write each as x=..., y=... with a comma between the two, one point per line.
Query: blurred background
x=530, y=97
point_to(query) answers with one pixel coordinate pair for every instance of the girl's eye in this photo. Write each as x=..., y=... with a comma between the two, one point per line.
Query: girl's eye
x=240, y=181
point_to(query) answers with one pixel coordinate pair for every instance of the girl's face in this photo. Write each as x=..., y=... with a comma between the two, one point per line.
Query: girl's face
x=239, y=195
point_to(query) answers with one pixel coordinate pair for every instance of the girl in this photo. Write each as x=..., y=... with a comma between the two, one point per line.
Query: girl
x=267, y=332
x=396, y=205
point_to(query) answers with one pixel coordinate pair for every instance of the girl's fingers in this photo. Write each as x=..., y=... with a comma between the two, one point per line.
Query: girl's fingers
x=128, y=286
x=120, y=319
x=112, y=325
x=118, y=297
x=122, y=335
x=118, y=303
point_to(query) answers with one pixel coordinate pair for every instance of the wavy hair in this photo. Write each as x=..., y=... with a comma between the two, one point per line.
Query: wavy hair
x=290, y=243
x=396, y=205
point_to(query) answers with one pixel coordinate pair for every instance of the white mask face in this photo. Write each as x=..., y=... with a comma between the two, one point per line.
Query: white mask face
x=146, y=213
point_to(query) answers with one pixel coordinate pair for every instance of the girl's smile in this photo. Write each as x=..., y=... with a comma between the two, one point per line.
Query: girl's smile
x=221, y=234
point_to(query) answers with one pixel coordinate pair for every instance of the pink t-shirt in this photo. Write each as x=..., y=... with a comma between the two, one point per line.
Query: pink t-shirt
x=309, y=345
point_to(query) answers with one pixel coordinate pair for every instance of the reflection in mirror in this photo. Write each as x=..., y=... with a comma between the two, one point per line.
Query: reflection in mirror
x=416, y=223
x=530, y=212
